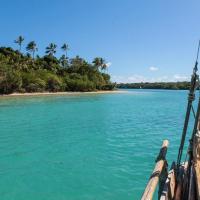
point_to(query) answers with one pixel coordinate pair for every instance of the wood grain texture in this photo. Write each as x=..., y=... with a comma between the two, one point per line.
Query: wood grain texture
x=154, y=178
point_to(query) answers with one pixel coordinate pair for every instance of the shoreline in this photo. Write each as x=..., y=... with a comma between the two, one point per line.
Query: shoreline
x=61, y=93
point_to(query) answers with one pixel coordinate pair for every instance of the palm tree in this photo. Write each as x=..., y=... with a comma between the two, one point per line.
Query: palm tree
x=96, y=62
x=99, y=63
x=19, y=41
x=32, y=47
x=51, y=49
x=104, y=67
x=63, y=61
x=65, y=48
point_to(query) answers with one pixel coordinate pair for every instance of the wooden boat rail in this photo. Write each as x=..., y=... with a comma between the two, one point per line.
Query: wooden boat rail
x=160, y=167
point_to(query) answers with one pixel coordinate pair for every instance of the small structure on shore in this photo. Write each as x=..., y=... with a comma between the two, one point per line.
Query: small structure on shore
x=182, y=181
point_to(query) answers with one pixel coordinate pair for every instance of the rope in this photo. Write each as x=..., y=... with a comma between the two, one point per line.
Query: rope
x=191, y=98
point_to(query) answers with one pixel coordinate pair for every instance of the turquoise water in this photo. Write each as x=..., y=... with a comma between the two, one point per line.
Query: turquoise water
x=85, y=147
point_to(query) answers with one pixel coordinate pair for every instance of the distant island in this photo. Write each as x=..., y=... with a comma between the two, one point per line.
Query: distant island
x=27, y=72
x=157, y=85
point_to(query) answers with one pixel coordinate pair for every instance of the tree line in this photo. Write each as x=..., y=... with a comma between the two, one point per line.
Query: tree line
x=158, y=85
x=28, y=72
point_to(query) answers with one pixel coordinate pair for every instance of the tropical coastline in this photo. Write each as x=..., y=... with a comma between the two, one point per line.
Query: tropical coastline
x=62, y=93
x=25, y=72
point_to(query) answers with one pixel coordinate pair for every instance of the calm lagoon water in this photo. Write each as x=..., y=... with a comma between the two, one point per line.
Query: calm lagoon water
x=85, y=147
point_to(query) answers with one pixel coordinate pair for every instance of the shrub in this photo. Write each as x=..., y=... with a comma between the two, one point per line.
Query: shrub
x=55, y=84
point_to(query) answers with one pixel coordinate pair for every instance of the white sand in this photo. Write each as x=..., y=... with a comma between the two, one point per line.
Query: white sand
x=61, y=93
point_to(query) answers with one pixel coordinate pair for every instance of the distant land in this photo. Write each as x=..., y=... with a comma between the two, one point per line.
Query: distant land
x=27, y=72
x=157, y=85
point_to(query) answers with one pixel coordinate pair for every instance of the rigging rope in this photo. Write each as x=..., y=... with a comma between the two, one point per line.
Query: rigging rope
x=191, y=98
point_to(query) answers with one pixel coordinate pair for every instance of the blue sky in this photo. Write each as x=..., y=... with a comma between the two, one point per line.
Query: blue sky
x=143, y=40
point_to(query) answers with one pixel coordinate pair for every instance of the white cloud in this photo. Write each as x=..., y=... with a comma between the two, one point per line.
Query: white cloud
x=129, y=79
x=178, y=77
x=135, y=78
x=153, y=68
x=108, y=64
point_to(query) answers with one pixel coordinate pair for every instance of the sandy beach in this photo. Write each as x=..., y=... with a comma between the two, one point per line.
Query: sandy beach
x=60, y=93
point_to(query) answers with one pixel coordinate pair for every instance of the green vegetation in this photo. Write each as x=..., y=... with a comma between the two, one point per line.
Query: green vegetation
x=29, y=73
x=158, y=85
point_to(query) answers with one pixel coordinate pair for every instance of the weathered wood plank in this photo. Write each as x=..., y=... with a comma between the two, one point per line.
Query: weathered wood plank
x=196, y=162
x=154, y=178
x=181, y=182
x=168, y=192
x=191, y=192
x=197, y=177
x=172, y=183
